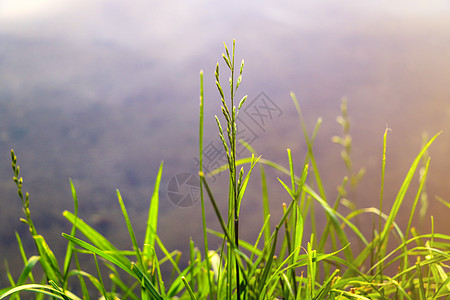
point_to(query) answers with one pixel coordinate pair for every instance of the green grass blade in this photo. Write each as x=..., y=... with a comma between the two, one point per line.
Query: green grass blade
x=309, y=144
x=202, y=198
x=95, y=237
x=265, y=200
x=177, y=284
x=383, y=171
x=416, y=199
x=298, y=232
x=216, y=209
x=440, y=290
x=333, y=217
x=152, y=222
x=279, y=270
x=58, y=290
x=10, y=278
x=100, y=279
x=323, y=292
x=421, y=285
x=255, y=246
x=265, y=196
x=130, y=229
x=39, y=288
x=23, y=254
x=69, y=251
x=268, y=266
x=401, y=194
x=443, y=201
x=83, y=286
x=245, y=182
x=162, y=288
x=92, y=279
x=48, y=260
x=312, y=269
x=192, y=259
x=120, y=261
x=291, y=169
x=188, y=288
x=146, y=283
x=27, y=269
x=167, y=254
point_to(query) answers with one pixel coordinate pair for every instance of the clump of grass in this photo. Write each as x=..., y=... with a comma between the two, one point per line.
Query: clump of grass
x=283, y=263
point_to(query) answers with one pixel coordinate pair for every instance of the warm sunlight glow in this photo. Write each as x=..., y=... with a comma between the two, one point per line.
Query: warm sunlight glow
x=29, y=9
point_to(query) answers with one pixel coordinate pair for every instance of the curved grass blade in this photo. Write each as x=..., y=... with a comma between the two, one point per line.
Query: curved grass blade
x=23, y=255
x=91, y=278
x=119, y=261
x=333, y=217
x=95, y=237
x=27, y=269
x=39, y=288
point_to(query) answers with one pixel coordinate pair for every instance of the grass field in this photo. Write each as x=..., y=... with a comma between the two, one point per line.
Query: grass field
x=336, y=261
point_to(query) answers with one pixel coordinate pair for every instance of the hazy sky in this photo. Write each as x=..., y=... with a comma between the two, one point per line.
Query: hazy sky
x=113, y=19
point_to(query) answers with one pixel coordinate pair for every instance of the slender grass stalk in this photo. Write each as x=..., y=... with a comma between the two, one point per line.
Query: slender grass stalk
x=70, y=248
x=102, y=285
x=230, y=114
x=202, y=200
x=383, y=172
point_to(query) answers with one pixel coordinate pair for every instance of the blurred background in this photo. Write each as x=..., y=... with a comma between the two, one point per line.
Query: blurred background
x=102, y=91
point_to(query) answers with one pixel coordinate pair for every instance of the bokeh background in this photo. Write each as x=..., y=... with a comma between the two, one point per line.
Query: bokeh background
x=102, y=91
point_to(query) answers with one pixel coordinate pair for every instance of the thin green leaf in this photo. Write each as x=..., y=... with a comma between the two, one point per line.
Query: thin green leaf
x=69, y=251
x=202, y=199
x=39, y=288
x=27, y=269
x=119, y=261
x=298, y=233
x=96, y=238
x=401, y=194
x=130, y=229
x=48, y=259
x=152, y=222
x=188, y=288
